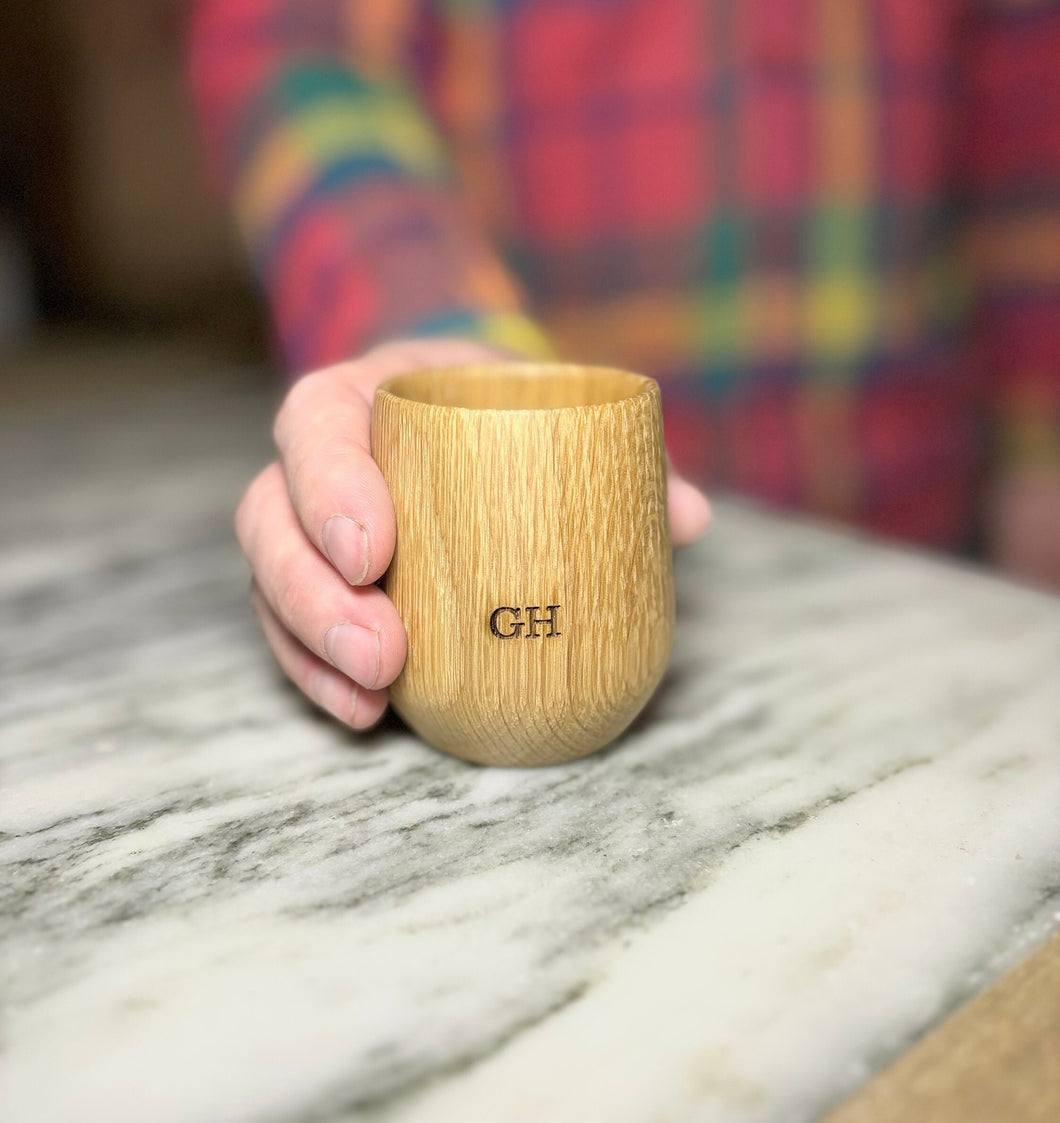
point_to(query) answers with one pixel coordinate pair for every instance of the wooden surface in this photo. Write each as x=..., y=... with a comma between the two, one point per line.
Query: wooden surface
x=533, y=568
x=997, y=1060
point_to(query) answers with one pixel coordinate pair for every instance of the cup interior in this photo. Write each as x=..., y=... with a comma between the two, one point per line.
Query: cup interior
x=518, y=386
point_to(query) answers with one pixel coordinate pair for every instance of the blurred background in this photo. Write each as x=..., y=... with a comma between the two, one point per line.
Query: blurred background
x=119, y=269
x=110, y=246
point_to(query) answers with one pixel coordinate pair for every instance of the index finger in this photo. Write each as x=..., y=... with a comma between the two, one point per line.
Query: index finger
x=323, y=433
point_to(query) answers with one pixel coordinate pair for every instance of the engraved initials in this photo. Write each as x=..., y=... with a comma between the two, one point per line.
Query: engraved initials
x=550, y=620
x=516, y=623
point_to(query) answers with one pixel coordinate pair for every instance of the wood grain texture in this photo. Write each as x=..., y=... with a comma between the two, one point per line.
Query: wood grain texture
x=997, y=1060
x=518, y=487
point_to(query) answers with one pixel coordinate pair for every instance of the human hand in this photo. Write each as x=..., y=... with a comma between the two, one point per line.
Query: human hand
x=1024, y=525
x=317, y=526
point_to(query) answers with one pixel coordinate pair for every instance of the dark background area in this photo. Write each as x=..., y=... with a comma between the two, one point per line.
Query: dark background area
x=107, y=226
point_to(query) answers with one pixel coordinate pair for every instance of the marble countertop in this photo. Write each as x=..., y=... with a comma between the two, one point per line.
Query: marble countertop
x=837, y=820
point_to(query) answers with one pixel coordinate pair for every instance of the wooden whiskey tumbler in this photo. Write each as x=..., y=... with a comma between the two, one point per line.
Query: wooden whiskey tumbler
x=533, y=569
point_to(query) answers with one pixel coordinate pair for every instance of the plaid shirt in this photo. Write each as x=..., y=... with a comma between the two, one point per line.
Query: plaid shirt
x=830, y=228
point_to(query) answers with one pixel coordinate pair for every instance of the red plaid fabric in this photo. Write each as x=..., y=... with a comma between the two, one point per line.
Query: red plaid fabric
x=831, y=228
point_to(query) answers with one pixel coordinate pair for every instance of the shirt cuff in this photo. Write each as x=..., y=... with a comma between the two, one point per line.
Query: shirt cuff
x=507, y=330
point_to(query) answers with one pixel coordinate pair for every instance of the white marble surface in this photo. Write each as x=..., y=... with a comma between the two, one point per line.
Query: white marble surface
x=839, y=818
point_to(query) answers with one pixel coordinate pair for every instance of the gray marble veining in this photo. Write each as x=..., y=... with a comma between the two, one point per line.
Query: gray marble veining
x=839, y=817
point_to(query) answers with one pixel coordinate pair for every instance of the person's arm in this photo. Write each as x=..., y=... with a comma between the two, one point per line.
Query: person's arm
x=1011, y=165
x=341, y=185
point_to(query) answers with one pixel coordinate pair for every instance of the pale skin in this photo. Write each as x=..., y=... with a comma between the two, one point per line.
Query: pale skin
x=317, y=526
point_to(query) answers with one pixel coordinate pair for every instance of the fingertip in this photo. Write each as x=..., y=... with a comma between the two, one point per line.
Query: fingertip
x=369, y=708
x=344, y=506
x=335, y=693
x=346, y=544
x=378, y=616
x=690, y=512
x=355, y=706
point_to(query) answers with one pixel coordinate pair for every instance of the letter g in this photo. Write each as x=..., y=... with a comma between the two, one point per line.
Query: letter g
x=517, y=624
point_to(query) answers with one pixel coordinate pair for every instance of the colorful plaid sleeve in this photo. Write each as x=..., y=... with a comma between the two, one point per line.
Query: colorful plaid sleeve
x=1012, y=167
x=342, y=190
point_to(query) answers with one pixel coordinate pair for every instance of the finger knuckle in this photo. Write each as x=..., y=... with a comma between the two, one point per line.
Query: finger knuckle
x=245, y=515
x=242, y=519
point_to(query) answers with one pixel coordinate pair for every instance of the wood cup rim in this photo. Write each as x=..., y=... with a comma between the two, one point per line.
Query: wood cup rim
x=427, y=388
